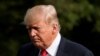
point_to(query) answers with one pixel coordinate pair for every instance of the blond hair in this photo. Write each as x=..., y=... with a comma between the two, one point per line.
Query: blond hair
x=48, y=10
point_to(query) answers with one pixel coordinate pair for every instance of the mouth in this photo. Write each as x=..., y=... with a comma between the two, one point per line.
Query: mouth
x=35, y=40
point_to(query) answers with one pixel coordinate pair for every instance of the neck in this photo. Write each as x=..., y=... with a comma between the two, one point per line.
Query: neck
x=52, y=40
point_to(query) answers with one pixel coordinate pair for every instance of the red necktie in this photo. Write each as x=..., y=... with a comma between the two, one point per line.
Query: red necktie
x=43, y=52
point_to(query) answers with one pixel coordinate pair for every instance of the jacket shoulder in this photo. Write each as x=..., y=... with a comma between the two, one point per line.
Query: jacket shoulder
x=74, y=48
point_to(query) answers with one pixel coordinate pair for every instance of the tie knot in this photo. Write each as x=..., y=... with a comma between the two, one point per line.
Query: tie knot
x=43, y=52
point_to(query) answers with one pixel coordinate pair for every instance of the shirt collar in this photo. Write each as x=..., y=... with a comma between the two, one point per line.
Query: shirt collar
x=52, y=50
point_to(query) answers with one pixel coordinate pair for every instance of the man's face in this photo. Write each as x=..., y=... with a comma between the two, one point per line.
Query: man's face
x=41, y=34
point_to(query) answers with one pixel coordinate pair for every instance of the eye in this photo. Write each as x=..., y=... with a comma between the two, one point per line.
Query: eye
x=33, y=28
x=36, y=28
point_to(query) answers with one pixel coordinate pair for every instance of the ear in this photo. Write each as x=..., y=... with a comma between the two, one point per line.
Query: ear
x=55, y=28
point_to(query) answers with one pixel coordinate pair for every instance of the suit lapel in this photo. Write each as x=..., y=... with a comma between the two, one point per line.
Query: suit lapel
x=61, y=48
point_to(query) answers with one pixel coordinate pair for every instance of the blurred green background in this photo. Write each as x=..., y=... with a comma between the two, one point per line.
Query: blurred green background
x=79, y=19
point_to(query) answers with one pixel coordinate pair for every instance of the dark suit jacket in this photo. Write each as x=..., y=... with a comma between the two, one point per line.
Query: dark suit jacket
x=66, y=48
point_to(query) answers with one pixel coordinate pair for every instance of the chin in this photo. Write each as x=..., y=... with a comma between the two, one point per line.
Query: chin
x=38, y=45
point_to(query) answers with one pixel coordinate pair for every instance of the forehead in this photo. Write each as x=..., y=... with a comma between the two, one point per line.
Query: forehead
x=34, y=18
x=36, y=23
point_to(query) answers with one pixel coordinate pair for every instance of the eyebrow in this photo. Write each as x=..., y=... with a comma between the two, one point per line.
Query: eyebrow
x=33, y=26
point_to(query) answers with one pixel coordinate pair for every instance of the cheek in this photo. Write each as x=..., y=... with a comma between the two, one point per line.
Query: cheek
x=47, y=32
x=46, y=35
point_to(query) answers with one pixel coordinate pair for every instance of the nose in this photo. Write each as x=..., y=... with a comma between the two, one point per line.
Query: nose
x=32, y=32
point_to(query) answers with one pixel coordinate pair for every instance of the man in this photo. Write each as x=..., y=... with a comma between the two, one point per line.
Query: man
x=43, y=28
